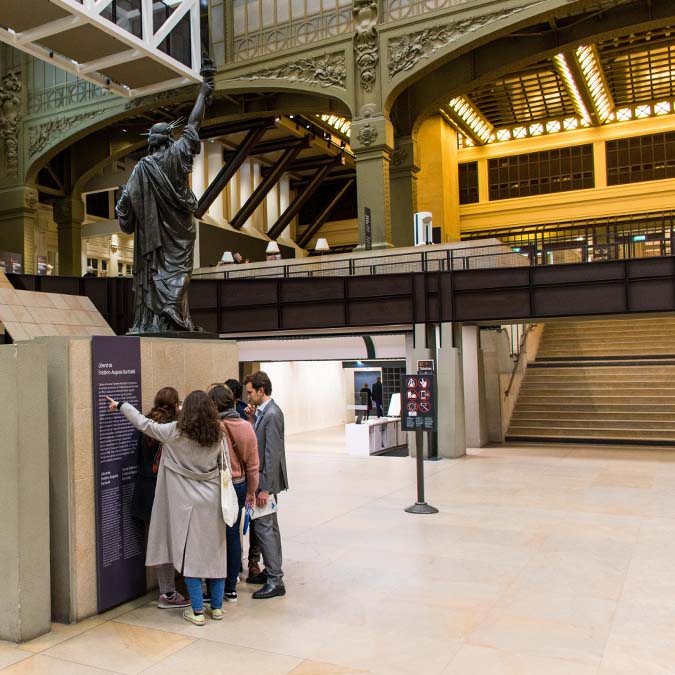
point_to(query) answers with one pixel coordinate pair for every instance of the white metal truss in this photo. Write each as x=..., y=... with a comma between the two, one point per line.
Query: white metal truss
x=131, y=47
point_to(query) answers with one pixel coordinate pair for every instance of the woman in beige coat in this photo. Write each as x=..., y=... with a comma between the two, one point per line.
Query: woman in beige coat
x=187, y=528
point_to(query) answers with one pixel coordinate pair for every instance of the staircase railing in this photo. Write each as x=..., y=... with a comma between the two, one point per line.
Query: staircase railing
x=521, y=351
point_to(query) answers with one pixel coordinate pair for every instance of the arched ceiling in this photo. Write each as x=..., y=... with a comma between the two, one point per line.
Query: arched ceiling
x=591, y=67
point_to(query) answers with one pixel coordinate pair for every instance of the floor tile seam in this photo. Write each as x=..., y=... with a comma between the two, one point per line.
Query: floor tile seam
x=178, y=651
x=257, y=649
x=522, y=652
x=68, y=639
x=79, y=663
x=207, y=639
x=590, y=660
x=619, y=598
x=494, y=604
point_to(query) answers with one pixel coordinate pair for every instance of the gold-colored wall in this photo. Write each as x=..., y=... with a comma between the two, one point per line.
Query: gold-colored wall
x=600, y=202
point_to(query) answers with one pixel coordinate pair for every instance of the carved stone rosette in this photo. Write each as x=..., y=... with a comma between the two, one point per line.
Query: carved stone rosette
x=10, y=118
x=329, y=70
x=405, y=52
x=367, y=135
x=366, y=47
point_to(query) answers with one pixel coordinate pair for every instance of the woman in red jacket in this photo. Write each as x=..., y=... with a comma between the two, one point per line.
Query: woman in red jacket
x=245, y=466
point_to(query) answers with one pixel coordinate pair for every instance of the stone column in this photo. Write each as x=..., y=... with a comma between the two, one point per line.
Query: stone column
x=475, y=414
x=18, y=218
x=404, y=167
x=25, y=611
x=450, y=394
x=439, y=178
x=68, y=215
x=435, y=342
x=372, y=140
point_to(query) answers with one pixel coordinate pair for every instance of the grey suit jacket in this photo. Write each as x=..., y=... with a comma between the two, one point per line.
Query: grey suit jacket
x=270, y=435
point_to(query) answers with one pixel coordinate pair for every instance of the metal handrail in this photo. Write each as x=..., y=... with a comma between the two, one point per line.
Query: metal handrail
x=530, y=328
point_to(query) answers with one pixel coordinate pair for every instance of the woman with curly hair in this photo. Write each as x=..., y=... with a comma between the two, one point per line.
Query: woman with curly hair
x=187, y=528
x=165, y=409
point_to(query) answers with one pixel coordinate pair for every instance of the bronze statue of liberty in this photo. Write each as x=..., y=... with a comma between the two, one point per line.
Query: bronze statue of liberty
x=157, y=206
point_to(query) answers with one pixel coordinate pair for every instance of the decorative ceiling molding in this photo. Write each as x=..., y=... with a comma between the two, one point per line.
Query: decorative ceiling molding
x=366, y=45
x=329, y=70
x=42, y=135
x=406, y=51
x=10, y=118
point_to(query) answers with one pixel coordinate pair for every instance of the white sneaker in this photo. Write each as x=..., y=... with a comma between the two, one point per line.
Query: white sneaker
x=216, y=614
x=196, y=619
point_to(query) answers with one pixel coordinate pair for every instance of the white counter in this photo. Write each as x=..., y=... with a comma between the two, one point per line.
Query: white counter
x=374, y=435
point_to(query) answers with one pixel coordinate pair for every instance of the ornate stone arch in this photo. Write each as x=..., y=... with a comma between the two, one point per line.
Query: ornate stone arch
x=428, y=67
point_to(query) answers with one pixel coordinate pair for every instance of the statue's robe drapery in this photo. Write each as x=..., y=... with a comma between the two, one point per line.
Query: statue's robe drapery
x=157, y=206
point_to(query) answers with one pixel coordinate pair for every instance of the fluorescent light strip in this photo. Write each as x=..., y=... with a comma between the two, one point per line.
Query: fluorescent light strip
x=466, y=112
x=571, y=86
x=590, y=69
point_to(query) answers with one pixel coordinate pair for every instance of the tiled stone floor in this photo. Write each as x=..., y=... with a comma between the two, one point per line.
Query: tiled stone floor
x=542, y=561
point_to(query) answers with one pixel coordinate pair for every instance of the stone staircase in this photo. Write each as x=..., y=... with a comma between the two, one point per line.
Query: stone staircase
x=600, y=381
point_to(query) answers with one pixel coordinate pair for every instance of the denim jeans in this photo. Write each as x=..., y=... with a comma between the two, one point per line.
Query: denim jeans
x=234, y=542
x=216, y=590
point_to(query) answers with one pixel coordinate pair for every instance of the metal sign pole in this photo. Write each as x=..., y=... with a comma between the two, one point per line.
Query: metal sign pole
x=418, y=414
x=420, y=506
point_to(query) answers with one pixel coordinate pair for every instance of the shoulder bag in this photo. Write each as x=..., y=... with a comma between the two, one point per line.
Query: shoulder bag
x=229, y=504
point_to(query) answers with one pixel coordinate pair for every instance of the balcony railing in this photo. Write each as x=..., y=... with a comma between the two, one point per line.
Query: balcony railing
x=641, y=240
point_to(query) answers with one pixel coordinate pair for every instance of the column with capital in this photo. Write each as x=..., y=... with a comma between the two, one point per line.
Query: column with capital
x=69, y=215
x=18, y=217
x=372, y=143
x=403, y=170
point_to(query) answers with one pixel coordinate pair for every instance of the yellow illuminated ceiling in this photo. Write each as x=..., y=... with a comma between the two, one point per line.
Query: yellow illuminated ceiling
x=614, y=80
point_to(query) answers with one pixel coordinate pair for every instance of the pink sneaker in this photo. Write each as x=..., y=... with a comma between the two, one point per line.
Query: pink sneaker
x=174, y=602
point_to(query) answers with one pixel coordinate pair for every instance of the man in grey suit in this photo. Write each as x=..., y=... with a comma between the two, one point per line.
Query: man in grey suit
x=268, y=422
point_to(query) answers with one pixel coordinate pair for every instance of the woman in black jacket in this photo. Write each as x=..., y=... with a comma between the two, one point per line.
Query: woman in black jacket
x=164, y=410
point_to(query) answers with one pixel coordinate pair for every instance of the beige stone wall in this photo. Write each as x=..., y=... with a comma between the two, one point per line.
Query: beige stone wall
x=24, y=493
x=184, y=364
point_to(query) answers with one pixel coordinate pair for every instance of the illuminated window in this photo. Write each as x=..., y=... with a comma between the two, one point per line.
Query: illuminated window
x=553, y=126
x=519, y=132
x=570, y=123
x=662, y=108
x=503, y=135
x=536, y=129
x=624, y=114
x=643, y=111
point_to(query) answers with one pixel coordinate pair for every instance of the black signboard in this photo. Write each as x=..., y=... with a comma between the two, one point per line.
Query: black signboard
x=418, y=403
x=368, y=226
x=120, y=550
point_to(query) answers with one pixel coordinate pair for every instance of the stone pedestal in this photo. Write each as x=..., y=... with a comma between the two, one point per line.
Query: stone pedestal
x=183, y=364
x=24, y=493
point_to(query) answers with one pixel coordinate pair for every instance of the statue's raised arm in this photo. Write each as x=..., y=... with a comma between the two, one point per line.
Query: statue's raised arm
x=204, y=99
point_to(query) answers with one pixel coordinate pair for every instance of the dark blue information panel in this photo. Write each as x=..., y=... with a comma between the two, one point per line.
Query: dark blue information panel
x=120, y=551
x=418, y=402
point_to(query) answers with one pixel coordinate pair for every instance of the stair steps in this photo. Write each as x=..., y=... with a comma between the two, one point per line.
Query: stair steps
x=600, y=381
